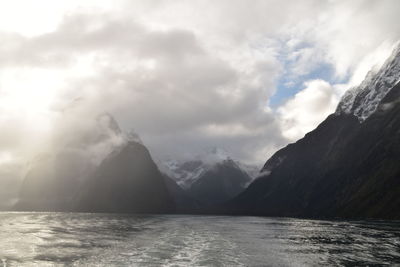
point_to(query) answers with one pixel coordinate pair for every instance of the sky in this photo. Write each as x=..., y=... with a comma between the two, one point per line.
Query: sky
x=246, y=76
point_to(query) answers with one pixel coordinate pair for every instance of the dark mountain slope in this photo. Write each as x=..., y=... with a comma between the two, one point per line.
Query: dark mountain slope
x=52, y=181
x=342, y=168
x=220, y=183
x=127, y=181
x=53, y=178
x=183, y=202
x=375, y=191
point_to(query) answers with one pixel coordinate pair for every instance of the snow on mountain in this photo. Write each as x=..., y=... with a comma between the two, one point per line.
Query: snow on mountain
x=363, y=100
x=185, y=173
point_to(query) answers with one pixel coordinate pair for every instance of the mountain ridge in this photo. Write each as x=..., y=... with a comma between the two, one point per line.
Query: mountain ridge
x=346, y=167
x=363, y=99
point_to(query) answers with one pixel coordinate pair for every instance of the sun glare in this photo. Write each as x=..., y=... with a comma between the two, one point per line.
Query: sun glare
x=30, y=94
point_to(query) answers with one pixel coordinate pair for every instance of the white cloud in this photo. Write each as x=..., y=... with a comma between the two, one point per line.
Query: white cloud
x=308, y=108
x=184, y=75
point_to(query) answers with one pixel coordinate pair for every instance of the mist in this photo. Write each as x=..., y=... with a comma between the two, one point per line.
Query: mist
x=175, y=75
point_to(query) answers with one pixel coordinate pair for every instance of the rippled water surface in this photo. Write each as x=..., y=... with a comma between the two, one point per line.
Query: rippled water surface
x=41, y=239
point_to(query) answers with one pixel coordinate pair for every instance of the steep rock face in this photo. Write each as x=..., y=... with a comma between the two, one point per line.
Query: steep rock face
x=126, y=181
x=374, y=190
x=349, y=166
x=363, y=100
x=220, y=183
x=343, y=168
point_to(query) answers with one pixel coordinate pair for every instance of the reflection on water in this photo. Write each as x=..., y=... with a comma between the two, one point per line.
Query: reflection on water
x=48, y=239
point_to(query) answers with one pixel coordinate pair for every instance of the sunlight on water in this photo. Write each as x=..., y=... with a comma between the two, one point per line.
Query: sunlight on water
x=48, y=239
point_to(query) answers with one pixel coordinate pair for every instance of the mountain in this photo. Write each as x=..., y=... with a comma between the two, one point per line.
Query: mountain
x=53, y=178
x=10, y=182
x=52, y=182
x=212, y=177
x=100, y=169
x=363, y=100
x=347, y=167
x=187, y=172
x=220, y=183
x=183, y=173
x=127, y=181
x=183, y=202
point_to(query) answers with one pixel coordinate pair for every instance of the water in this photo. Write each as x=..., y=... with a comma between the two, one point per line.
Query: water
x=73, y=239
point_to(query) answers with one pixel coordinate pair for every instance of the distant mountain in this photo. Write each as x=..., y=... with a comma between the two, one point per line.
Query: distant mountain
x=53, y=178
x=349, y=166
x=10, y=182
x=52, y=182
x=183, y=202
x=185, y=173
x=126, y=181
x=220, y=183
x=212, y=177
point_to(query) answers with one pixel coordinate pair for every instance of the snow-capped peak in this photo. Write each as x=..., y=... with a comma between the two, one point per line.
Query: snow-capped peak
x=364, y=99
x=185, y=173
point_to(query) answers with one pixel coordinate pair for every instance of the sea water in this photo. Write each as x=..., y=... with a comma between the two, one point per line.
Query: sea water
x=79, y=239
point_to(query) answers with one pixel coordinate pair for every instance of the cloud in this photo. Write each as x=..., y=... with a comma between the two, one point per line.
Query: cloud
x=184, y=76
x=10, y=182
x=307, y=108
x=345, y=33
x=159, y=82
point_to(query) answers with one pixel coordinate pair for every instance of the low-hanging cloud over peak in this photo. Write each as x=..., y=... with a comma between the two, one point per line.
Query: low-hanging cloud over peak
x=185, y=75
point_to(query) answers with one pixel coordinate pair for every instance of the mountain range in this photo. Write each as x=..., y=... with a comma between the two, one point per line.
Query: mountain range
x=212, y=177
x=347, y=167
x=125, y=180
